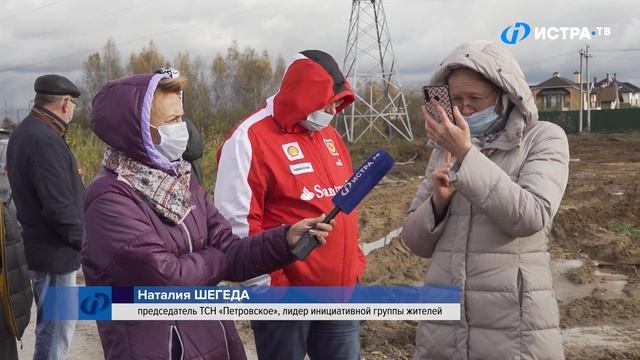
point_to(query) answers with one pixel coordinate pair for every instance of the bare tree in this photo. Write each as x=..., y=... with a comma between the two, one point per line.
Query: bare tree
x=147, y=60
x=196, y=96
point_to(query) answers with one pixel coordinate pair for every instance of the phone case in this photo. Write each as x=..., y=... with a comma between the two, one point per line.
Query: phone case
x=441, y=94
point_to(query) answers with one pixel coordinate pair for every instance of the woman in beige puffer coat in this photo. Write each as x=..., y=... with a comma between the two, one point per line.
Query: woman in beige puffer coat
x=483, y=218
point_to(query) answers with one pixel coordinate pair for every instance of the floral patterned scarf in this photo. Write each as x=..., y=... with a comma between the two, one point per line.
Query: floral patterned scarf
x=168, y=195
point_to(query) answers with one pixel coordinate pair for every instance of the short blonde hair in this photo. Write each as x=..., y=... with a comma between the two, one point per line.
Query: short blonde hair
x=172, y=85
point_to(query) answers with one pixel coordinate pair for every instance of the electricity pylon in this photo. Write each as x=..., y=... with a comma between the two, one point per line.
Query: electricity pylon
x=370, y=67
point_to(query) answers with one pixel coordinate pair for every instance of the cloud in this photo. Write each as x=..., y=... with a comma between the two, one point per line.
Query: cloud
x=57, y=35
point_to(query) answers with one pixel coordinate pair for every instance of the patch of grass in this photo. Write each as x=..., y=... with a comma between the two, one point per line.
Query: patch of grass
x=88, y=150
x=212, y=143
x=399, y=149
x=625, y=229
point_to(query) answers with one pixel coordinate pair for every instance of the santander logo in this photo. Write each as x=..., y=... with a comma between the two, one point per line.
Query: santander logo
x=318, y=192
x=306, y=194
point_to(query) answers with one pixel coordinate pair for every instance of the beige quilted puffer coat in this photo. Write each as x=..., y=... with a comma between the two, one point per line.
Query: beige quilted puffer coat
x=493, y=240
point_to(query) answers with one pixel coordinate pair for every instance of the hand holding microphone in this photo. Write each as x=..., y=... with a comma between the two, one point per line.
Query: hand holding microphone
x=354, y=190
x=313, y=226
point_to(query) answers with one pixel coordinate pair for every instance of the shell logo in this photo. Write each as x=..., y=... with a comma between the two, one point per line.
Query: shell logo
x=293, y=151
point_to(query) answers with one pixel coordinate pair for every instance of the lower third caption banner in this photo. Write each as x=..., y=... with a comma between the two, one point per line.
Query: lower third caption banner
x=253, y=303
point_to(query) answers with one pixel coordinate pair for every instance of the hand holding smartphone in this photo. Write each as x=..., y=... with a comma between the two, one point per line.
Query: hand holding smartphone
x=440, y=93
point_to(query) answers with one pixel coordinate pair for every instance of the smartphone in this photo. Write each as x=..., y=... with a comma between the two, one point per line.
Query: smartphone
x=440, y=93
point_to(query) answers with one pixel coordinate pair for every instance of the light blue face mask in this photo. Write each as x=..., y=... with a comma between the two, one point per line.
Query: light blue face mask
x=481, y=121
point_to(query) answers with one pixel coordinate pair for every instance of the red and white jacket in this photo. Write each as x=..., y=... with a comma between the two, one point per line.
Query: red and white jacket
x=273, y=171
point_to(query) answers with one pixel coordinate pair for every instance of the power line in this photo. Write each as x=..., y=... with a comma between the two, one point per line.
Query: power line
x=412, y=2
x=161, y=33
x=31, y=10
x=616, y=57
x=619, y=50
x=554, y=56
x=99, y=17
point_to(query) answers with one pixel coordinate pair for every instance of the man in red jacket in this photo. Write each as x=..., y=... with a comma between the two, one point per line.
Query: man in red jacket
x=285, y=162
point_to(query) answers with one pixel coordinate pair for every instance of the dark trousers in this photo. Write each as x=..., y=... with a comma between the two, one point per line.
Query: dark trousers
x=292, y=340
x=8, y=346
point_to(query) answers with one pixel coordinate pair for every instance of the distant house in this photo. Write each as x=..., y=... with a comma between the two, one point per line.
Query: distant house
x=630, y=94
x=557, y=93
x=615, y=93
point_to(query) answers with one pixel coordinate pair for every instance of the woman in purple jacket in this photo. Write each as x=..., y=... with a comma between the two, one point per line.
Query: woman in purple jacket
x=149, y=223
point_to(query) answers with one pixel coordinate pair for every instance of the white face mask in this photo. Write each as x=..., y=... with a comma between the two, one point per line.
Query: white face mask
x=317, y=120
x=173, y=140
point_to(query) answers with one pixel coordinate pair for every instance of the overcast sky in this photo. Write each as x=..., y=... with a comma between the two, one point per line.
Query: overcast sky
x=55, y=36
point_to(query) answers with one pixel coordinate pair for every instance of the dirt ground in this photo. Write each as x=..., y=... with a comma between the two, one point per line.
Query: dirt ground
x=595, y=247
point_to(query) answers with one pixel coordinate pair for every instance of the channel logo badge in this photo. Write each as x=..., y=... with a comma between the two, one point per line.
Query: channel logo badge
x=518, y=32
x=513, y=34
x=94, y=303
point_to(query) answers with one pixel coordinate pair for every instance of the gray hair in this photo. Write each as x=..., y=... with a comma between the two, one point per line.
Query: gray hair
x=45, y=99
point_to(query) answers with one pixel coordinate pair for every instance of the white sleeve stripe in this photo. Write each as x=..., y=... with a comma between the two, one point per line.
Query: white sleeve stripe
x=232, y=194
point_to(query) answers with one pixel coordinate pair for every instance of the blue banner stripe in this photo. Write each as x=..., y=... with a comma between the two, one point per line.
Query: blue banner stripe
x=122, y=294
x=299, y=294
x=94, y=302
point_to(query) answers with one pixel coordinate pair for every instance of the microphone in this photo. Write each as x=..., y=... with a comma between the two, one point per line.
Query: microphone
x=363, y=180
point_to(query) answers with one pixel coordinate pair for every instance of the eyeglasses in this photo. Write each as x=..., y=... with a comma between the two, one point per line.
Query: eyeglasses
x=476, y=101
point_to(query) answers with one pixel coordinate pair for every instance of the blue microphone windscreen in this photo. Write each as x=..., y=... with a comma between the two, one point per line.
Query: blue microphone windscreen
x=363, y=180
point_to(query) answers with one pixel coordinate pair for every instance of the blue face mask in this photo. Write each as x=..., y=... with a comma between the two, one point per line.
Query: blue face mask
x=481, y=121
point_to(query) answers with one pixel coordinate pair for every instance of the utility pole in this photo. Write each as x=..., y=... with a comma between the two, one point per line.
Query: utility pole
x=107, y=59
x=587, y=56
x=581, y=52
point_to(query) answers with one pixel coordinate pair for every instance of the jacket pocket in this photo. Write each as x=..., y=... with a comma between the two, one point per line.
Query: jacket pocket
x=176, y=347
x=519, y=286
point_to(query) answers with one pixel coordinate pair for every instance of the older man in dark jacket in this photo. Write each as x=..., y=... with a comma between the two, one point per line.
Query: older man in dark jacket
x=48, y=190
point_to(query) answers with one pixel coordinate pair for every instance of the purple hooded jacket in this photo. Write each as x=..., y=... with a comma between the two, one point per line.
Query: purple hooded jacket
x=127, y=244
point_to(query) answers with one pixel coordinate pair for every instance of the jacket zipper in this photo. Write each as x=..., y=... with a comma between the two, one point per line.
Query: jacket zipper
x=466, y=258
x=5, y=274
x=173, y=327
x=226, y=343
x=184, y=227
x=331, y=182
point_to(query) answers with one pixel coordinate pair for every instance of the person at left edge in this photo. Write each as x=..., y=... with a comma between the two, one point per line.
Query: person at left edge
x=149, y=223
x=48, y=190
x=16, y=296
